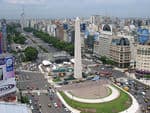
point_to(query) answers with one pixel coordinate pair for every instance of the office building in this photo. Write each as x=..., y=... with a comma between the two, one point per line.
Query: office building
x=101, y=47
x=120, y=52
x=143, y=59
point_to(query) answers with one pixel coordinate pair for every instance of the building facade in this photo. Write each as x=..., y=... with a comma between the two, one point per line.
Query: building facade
x=120, y=52
x=143, y=59
x=101, y=47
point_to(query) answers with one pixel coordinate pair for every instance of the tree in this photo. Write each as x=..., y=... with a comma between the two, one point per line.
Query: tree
x=106, y=60
x=31, y=53
x=28, y=29
x=24, y=99
x=19, y=39
x=59, y=44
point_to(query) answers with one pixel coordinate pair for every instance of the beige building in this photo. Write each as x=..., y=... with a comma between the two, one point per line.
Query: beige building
x=120, y=52
x=143, y=58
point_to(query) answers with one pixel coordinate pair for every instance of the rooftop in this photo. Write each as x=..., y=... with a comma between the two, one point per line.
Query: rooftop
x=14, y=107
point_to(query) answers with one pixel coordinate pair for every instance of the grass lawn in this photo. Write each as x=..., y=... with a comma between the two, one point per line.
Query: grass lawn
x=147, y=76
x=57, y=79
x=121, y=103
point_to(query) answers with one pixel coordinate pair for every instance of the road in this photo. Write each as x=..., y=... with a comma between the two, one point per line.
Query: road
x=35, y=86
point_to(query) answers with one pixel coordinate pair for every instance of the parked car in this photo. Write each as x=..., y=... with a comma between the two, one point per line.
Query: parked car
x=96, y=78
x=55, y=105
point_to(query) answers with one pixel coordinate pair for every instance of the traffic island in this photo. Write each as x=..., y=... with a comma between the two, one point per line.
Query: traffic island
x=122, y=103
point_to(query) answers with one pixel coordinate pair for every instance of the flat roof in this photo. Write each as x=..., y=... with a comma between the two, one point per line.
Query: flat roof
x=14, y=108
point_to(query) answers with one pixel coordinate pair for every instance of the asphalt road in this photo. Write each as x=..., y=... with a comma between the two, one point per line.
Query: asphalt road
x=32, y=85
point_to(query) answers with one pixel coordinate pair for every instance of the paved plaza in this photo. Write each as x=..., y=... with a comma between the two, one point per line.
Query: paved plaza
x=88, y=89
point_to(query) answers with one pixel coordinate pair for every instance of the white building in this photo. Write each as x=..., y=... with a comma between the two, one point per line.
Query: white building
x=14, y=108
x=143, y=58
x=101, y=48
x=51, y=29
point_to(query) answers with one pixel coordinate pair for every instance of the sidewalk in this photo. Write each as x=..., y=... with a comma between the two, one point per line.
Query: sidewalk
x=114, y=95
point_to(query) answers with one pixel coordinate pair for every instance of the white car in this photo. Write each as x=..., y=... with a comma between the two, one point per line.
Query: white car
x=30, y=101
x=66, y=109
x=55, y=104
x=32, y=108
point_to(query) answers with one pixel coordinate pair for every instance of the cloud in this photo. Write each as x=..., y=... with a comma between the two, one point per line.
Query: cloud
x=25, y=1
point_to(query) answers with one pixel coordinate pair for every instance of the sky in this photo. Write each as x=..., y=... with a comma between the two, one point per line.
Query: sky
x=72, y=8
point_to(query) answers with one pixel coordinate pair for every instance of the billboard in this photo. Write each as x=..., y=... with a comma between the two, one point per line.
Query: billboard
x=6, y=68
x=1, y=73
x=0, y=43
x=9, y=61
x=7, y=86
x=2, y=68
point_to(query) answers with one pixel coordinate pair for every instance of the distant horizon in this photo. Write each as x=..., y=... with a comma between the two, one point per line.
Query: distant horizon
x=85, y=17
x=12, y=9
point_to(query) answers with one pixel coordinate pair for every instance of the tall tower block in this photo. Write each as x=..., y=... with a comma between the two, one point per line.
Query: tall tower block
x=4, y=37
x=78, y=64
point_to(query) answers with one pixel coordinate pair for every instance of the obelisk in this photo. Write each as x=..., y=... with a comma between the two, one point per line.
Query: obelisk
x=78, y=64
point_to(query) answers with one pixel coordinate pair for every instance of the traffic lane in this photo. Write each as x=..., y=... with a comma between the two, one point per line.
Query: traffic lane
x=137, y=93
x=34, y=103
x=44, y=100
x=42, y=43
x=61, y=107
x=32, y=80
x=33, y=85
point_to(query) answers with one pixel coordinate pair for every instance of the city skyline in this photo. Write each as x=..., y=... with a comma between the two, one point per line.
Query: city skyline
x=69, y=8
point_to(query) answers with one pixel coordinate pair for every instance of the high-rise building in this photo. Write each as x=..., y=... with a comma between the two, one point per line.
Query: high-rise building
x=22, y=19
x=4, y=36
x=78, y=64
x=101, y=48
x=0, y=43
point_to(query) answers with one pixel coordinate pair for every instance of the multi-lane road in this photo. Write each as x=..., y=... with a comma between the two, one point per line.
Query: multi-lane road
x=41, y=99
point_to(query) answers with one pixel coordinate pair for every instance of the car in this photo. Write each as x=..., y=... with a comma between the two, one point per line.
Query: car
x=30, y=101
x=66, y=109
x=65, y=82
x=96, y=78
x=40, y=105
x=32, y=107
x=146, y=100
x=49, y=105
x=55, y=105
x=148, y=107
x=143, y=93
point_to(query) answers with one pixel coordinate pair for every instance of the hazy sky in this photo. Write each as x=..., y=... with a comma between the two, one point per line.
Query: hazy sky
x=72, y=8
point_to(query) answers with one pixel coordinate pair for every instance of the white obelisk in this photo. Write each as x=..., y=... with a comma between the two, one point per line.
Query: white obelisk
x=78, y=64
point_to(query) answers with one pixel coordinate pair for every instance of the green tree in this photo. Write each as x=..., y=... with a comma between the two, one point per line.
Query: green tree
x=59, y=44
x=31, y=53
x=24, y=99
x=19, y=39
x=28, y=29
x=106, y=60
